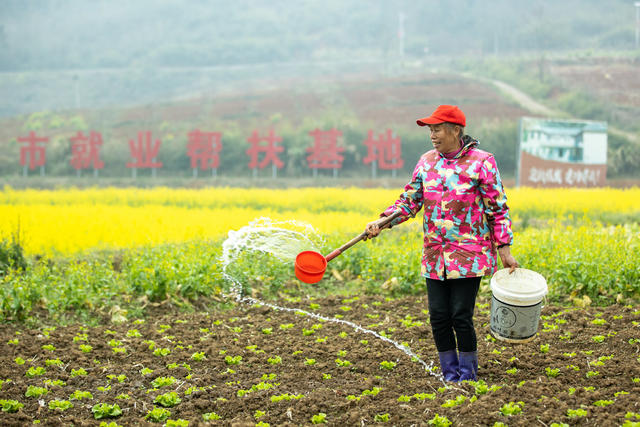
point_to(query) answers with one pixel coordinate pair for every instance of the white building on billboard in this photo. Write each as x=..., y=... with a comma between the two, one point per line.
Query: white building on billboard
x=565, y=141
x=553, y=150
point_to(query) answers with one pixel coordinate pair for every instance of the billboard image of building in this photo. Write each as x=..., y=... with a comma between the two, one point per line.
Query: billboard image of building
x=561, y=153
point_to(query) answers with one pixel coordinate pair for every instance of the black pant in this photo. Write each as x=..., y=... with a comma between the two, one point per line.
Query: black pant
x=451, y=305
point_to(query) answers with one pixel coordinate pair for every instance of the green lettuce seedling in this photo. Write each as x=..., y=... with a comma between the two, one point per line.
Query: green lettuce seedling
x=373, y=392
x=440, y=421
x=423, y=396
x=274, y=360
x=158, y=415
x=60, y=405
x=576, y=413
x=552, y=372
x=81, y=337
x=10, y=405
x=35, y=371
x=79, y=395
x=320, y=418
x=198, y=356
x=78, y=372
x=387, y=365
x=233, y=360
x=210, y=416
x=511, y=408
x=161, y=352
x=381, y=418
x=177, y=423
x=168, y=400
x=33, y=391
x=459, y=400
x=104, y=410
x=163, y=381
x=286, y=397
x=54, y=362
x=343, y=363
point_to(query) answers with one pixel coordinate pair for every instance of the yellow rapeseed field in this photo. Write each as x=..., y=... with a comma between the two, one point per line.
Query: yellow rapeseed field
x=73, y=220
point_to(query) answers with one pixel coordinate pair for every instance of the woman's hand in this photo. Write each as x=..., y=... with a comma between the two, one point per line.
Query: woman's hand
x=508, y=261
x=373, y=228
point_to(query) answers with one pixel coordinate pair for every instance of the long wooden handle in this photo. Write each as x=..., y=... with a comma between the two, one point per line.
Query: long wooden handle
x=361, y=236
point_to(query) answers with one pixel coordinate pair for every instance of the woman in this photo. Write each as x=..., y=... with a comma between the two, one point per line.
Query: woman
x=466, y=221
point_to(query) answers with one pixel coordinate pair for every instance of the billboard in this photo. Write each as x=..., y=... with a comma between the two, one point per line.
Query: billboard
x=561, y=153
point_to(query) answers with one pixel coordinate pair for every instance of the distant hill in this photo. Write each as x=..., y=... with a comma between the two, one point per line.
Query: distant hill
x=79, y=34
x=74, y=54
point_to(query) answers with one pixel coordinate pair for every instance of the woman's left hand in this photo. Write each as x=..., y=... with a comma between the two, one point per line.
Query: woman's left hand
x=508, y=261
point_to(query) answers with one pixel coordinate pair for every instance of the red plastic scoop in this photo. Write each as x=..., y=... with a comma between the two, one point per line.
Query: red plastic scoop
x=310, y=266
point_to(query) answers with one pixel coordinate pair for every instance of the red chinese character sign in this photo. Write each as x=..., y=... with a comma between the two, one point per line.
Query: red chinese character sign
x=385, y=152
x=325, y=152
x=144, y=151
x=203, y=149
x=270, y=150
x=85, y=152
x=34, y=150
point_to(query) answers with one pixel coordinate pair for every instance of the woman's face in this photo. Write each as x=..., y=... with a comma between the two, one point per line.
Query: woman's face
x=444, y=138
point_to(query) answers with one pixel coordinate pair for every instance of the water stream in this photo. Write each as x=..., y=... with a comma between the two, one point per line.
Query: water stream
x=284, y=240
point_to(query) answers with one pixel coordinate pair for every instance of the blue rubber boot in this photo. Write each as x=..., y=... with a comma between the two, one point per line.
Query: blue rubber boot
x=449, y=365
x=468, y=365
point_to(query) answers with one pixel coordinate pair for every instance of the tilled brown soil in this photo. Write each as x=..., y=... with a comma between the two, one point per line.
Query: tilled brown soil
x=302, y=361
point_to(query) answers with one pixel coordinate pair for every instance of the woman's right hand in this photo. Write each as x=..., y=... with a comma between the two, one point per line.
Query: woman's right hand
x=373, y=228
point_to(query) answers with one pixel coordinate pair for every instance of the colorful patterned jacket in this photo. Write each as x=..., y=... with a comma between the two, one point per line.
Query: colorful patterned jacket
x=465, y=212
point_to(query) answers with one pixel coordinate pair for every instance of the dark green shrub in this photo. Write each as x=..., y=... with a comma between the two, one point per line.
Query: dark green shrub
x=11, y=256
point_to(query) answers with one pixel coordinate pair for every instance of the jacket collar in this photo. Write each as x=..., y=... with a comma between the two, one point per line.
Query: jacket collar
x=468, y=143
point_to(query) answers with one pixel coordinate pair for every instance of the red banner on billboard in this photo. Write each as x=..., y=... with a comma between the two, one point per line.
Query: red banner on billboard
x=144, y=151
x=85, y=151
x=538, y=172
x=32, y=148
x=325, y=152
x=270, y=150
x=386, y=150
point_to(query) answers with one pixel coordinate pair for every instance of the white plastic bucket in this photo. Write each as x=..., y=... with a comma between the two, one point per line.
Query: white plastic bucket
x=516, y=303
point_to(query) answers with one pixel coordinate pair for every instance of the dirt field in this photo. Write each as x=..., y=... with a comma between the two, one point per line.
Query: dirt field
x=615, y=80
x=583, y=368
x=367, y=99
x=614, y=83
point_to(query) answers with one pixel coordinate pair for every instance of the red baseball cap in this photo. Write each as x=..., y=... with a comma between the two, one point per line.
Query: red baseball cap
x=444, y=113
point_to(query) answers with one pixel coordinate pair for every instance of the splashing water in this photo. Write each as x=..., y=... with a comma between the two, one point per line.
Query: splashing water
x=282, y=240
x=285, y=240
